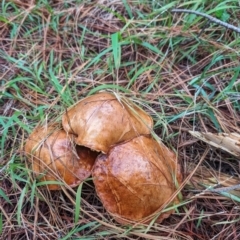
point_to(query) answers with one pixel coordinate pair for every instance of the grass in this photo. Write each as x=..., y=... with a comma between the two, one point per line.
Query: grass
x=183, y=70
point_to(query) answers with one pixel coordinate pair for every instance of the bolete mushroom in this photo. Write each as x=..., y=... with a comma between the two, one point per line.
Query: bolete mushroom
x=136, y=178
x=103, y=120
x=55, y=157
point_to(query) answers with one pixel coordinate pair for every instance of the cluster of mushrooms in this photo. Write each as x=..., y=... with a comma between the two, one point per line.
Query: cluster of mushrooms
x=108, y=137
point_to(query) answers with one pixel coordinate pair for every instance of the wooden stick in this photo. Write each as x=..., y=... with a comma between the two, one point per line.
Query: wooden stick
x=210, y=18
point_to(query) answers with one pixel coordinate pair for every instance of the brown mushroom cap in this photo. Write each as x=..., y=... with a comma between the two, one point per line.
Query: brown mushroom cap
x=136, y=178
x=101, y=120
x=56, y=158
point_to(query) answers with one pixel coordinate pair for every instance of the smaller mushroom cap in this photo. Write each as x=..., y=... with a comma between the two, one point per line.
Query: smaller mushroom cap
x=102, y=120
x=54, y=157
x=136, y=178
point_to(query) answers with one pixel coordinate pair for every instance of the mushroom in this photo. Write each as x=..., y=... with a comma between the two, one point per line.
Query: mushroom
x=136, y=178
x=54, y=156
x=103, y=120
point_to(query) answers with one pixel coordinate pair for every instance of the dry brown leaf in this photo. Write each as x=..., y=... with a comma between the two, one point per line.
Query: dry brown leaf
x=229, y=142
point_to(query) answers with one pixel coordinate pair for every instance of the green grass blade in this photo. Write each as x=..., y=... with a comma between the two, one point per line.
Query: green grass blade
x=106, y=87
x=78, y=204
x=116, y=49
x=128, y=9
x=21, y=203
x=78, y=229
x=4, y=196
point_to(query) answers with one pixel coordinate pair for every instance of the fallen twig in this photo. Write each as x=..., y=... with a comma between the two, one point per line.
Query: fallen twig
x=210, y=18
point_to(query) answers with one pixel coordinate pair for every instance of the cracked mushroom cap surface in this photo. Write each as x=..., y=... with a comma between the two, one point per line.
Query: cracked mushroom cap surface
x=136, y=178
x=101, y=121
x=54, y=157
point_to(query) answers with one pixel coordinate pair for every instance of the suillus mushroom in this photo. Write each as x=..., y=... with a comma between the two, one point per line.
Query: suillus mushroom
x=103, y=120
x=55, y=157
x=136, y=178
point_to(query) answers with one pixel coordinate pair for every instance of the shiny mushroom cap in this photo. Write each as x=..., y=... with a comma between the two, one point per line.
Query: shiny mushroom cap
x=103, y=120
x=136, y=178
x=54, y=157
